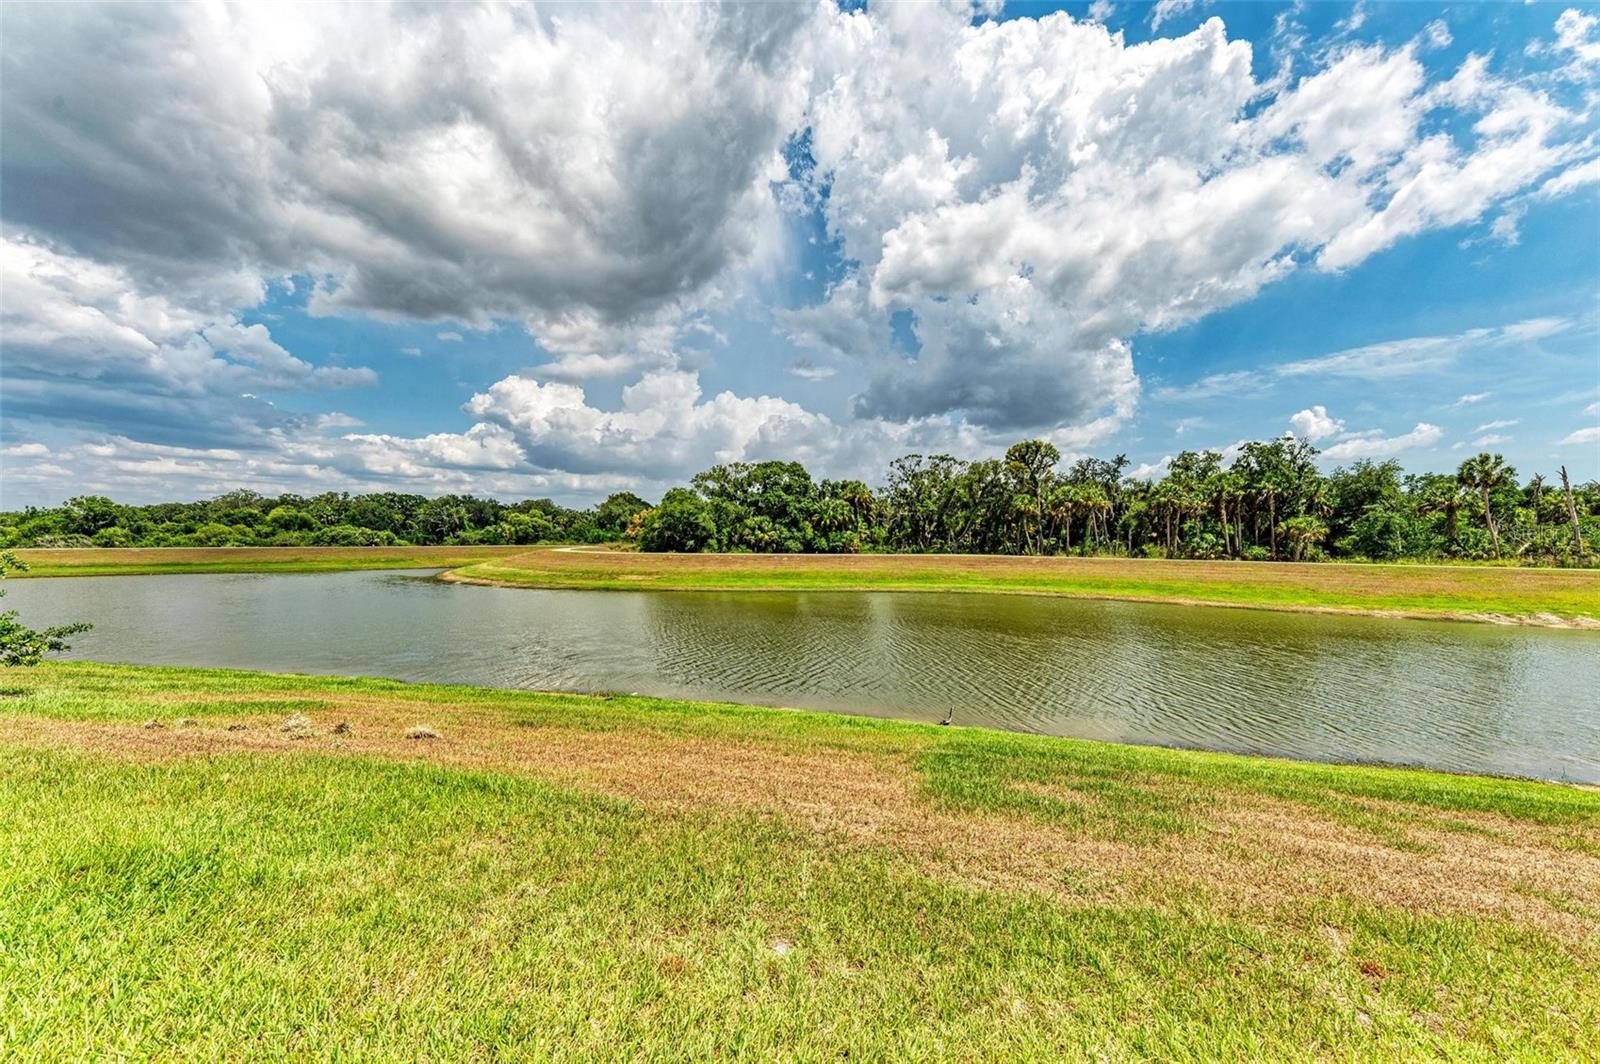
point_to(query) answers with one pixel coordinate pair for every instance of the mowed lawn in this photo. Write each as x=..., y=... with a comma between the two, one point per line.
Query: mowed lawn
x=1423, y=590
x=189, y=871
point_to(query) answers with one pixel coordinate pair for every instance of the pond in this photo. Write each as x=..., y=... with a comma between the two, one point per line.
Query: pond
x=1463, y=697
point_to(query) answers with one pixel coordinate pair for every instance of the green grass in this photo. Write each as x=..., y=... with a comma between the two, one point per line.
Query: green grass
x=317, y=903
x=1463, y=592
x=1459, y=592
x=152, y=561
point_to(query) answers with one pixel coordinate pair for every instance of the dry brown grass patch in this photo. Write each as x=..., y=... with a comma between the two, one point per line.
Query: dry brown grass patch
x=1248, y=854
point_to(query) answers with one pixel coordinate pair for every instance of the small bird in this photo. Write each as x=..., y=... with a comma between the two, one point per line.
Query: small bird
x=948, y=714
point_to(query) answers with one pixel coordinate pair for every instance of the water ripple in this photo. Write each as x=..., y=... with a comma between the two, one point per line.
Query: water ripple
x=1455, y=696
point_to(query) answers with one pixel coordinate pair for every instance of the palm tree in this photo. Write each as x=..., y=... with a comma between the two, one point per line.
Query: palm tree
x=1026, y=509
x=1224, y=489
x=1097, y=506
x=1485, y=473
x=1062, y=508
x=1438, y=493
x=1302, y=532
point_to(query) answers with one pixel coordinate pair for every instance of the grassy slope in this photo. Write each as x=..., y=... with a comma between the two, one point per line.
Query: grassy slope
x=560, y=875
x=1411, y=589
x=134, y=561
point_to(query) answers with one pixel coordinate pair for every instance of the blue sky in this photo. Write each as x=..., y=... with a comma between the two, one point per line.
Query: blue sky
x=568, y=250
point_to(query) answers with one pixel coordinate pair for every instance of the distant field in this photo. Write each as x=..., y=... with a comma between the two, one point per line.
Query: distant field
x=149, y=560
x=603, y=878
x=1470, y=592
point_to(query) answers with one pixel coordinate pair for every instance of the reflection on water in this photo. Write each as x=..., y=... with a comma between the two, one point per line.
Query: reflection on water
x=1464, y=697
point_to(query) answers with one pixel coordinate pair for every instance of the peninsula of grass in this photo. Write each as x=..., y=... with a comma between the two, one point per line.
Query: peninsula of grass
x=231, y=865
x=1541, y=596
x=145, y=561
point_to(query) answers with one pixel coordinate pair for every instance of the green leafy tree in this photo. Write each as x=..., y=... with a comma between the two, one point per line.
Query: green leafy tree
x=924, y=499
x=21, y=645
x=681, y=523
x=1387, y=531
x=617, y=511
x=289, y=519
x=761, y=506
x=440, y=519
x=521, y=527
x=1278, y=474
x=87, y=514
x=372, y=512
x=1031, y=464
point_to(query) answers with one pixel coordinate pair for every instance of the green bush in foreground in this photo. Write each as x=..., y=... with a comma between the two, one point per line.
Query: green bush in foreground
x=21, y=645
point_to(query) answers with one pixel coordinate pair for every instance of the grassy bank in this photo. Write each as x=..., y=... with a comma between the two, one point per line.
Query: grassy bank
x=134, y=561
x=1551, y=596
x=557, y=875
x=1536, y=596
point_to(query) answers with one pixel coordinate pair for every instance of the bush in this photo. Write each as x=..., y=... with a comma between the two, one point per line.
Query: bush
x=351, y=536
x=1382, y=534
x=60, y=541
x=1204, y=544
x=113, y=537
x=216, y=535
x=288, y=519
x=20, y=645
x=1474, y=543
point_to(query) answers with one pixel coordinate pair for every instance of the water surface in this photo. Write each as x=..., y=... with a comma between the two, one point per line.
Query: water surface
x=1464, y=697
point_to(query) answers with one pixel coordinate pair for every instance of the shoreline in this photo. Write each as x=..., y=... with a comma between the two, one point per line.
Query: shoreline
x=468, y=695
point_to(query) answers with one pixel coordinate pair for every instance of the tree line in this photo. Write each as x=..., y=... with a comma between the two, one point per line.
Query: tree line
x=1269, y=502
x=332, y=519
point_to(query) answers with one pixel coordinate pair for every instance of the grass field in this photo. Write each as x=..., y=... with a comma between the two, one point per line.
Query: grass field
x=1533, y=596
x=565, y=876
x=131, y=561
x=1550, y=596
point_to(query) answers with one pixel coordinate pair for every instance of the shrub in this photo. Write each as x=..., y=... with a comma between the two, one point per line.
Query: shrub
x=351, y=536
x=213, y=534
x=113, y=537
x=288, y=519
x=68, y=540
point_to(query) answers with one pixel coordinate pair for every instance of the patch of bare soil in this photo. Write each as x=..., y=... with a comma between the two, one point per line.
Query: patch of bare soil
x=1249, y=853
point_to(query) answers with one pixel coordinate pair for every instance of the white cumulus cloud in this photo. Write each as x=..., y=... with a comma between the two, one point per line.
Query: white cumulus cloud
x=1374, y=444
x=1023, y=199
x=1315, y=424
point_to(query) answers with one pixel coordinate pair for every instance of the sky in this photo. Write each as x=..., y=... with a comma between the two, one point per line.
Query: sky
x=566, y=250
